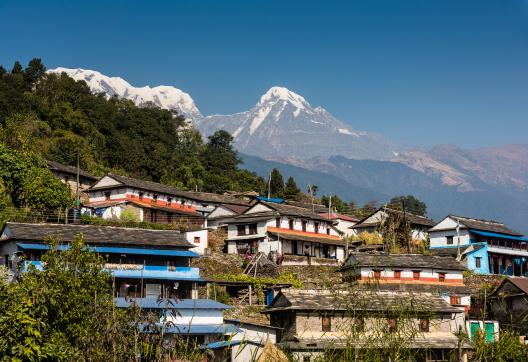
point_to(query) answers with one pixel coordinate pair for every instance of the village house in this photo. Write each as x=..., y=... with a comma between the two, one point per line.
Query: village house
x=297, y=234
x=315, y=321
x=144, y=263
x=442, y=276
x=152, y=202
x=509, y=304
x=343, y=223
x=201, y=320
x=68, y=175
x=224, y=212
x=486, y=247
x=418, y=224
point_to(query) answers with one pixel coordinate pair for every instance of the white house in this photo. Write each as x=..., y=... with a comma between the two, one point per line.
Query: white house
x=442, y=275
x=296, y=233
x=418, y=224
x=224, y=212
x=343, y=223
x=152, y=201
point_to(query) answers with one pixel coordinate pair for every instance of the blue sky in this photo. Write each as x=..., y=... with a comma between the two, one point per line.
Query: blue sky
x=420, y=72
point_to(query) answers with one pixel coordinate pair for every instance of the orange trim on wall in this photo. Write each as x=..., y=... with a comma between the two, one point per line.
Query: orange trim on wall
x=299, y=232
x=147, y=202
x=392, y=280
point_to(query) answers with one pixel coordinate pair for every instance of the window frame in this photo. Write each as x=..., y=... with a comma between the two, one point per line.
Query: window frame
x=450, y=239
x=326, y=327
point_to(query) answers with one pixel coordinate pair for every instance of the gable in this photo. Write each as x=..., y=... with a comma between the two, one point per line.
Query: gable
x=258, y=208
x=106, y=181
x=375, y=217
x=446, y=223
x=221, y=211
x=280, y=301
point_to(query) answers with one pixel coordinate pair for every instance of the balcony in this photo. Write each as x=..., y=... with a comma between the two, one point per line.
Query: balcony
x=139, y=271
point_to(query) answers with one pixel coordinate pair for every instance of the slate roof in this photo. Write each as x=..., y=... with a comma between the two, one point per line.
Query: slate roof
x=364, y=300
x=96, y=234
x=311, y=238
x=485, y=225
x=452, y=252
x=402, y=261
x=422, y=288
x=413, y=219
x=239, y=209
x=254, y=217
x=306, y=205
x=520, y=282
x=289, y=210
x=56, y=166
x=156, y=187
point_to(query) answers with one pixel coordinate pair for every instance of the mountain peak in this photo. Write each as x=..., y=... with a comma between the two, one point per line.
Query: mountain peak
x=166, y=97
x=275, y=94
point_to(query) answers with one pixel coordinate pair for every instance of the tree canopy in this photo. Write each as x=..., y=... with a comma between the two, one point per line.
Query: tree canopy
x=55, y=116
x=412, y=204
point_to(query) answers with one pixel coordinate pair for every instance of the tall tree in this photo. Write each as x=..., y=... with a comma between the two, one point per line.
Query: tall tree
x=34, y=71
x=291, y=191
x=276, y=184
x=412, y=204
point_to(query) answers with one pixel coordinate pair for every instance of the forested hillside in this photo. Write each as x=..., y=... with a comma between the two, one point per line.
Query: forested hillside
x=56, y=117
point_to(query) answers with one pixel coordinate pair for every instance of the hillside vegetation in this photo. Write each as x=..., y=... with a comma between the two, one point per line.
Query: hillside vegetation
x=58, y=118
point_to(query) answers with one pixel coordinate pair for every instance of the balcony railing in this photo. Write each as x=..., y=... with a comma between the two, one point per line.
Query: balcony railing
x=138, y=271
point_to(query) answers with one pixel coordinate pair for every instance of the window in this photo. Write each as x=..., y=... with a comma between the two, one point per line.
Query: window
x=359, y=324
x=317, y=227
x=477, y=261
x=455, y=300
x=449, y=240
x=326, y=324
x=182, y=202
x=377, y=274
x=241, y=230
x=416, y=274
x=154, y=198
x=397, y=274
x=327, y=231
x=277, y=222
x=197, y=240
x=169, y=200
x=441, y=277
x=107, y=195
x=424, y=325
x=393, y=324
x=141, y=195
x=290, y=224
x=252, y=229
x=304, y=225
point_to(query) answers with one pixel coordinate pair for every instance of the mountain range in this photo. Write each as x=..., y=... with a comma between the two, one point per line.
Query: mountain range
x=284, y=130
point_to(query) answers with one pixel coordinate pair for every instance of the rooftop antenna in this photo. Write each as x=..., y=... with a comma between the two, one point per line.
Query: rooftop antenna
x=310, y=190
x=329, y=206
x=406, y=228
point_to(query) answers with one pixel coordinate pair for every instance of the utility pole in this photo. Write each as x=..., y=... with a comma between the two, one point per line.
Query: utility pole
x=77, y=197
x=458, y=240
x=329, y=207
x=269, y=186
x=406, y=228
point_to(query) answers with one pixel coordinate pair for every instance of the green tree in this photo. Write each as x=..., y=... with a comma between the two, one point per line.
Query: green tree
x=337, y=204
x=291, y=191
x=34, y=71
x=412, y=204
x=276, y=184
x=29, y=183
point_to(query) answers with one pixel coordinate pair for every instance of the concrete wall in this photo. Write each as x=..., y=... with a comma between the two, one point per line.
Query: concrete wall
x=196, y=316
x=427, y=276
x=438, y=239
x=199, y=235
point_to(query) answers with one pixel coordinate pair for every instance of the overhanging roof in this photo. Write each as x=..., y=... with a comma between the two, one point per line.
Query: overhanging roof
x=116, y=250
x=497, y=235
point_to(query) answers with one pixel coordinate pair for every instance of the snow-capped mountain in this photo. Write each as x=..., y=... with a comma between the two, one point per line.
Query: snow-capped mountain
x=283, y=124
x=165, y=97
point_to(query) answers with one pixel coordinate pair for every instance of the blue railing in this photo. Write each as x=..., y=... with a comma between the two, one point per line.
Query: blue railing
x=139, y=271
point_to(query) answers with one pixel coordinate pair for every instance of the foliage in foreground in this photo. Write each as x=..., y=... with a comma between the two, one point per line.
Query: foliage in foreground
x=66, y=312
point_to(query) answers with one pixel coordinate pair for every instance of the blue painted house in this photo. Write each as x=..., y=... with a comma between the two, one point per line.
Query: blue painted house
x=487, y=247
x=144, y=263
